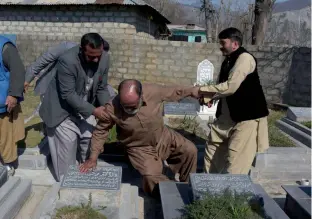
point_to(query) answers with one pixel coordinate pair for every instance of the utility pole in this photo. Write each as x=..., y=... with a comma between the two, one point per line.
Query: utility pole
x=208, y=8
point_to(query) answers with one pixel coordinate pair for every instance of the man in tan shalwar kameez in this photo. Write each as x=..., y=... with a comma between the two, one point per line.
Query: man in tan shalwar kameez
x=241, y=127
x=137, y=111
x=11, y=120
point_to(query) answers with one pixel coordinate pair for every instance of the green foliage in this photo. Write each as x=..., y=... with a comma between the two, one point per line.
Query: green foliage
x=223, y=206
x=276, y=137
x=307, y=124
x=85, y=211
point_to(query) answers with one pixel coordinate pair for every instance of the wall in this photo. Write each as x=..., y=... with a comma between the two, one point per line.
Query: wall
x=109, y=21
x=285, y=72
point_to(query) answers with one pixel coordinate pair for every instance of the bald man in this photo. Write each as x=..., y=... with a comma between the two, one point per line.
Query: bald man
x=137, y=111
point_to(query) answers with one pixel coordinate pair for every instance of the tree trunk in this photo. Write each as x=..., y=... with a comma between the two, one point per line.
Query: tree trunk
x=263, y=12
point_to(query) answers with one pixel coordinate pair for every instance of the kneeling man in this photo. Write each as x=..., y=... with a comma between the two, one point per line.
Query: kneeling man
x=137, y=111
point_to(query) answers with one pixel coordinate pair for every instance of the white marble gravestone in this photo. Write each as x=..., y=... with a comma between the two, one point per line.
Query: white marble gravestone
x=205, y=71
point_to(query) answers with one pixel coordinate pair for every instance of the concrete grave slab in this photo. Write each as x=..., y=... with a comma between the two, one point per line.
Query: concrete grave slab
x=13, y=195
x=298, y=201
x=299, y=114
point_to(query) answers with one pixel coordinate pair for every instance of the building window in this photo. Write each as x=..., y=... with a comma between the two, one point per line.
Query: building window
x=198, y=39
x=178, y=38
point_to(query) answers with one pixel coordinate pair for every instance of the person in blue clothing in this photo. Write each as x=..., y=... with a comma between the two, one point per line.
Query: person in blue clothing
x=12, y=77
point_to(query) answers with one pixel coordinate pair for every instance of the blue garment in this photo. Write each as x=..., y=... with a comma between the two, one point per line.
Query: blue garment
x=4, y=77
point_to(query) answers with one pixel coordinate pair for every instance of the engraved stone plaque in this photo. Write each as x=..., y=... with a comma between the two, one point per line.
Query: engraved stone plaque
x=180, y=109
x=205, y=71
x=217, y=183
x=103, y=178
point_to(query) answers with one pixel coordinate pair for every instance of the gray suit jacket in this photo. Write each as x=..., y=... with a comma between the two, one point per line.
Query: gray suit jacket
x=64, y=96
x=44, y=66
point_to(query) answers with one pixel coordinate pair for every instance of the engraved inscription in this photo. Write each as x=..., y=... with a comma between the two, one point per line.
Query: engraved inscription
x=180, y=108
x=105, y=178
x=216, y=183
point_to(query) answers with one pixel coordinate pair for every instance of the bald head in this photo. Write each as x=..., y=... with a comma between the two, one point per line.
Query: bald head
x=130, y=91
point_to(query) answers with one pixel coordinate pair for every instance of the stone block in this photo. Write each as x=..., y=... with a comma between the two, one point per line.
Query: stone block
x=3, y=175
x=295, y=133
x=298, y=201
x=33, y=162
x=299, y=114
x=13, y=194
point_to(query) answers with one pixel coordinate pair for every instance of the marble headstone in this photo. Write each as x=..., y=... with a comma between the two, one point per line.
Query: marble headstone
x=216, y=183
x=205, y=71
x=103, y=178
x=180, y=109
x=3, y=175
x=299, y=114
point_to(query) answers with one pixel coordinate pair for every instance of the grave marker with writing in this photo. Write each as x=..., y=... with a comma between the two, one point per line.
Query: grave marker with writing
x=104, y=178
x=205, y=71
x=217, y=183
x=180, y=109
x=299, y=114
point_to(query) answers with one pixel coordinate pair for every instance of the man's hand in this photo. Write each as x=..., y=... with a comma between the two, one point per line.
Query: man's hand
x=87, y=166
x=98, y=112
x=10, y=102
x=26, y=86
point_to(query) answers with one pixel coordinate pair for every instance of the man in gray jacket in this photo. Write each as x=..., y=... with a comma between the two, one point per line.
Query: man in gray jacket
x=44, y=70
x=74, y=100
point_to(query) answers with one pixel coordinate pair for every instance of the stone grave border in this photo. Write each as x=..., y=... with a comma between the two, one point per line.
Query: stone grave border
x=291, y=163
x=295, y=131
x=298, y=203
x=13, y=194
x=174, y=196
x=34, y=158
x=129, y=202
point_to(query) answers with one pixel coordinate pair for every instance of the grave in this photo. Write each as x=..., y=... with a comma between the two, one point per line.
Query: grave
x=205, y=72
x=175, y=196
x=298, y=202
x=101, y=187
x=299, y=114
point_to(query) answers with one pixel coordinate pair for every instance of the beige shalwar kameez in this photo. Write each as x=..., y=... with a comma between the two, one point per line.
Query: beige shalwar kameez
x=231, y=147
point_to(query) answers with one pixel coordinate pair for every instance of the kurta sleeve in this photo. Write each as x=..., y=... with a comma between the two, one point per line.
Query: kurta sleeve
x=172, y=93
x=244, y=65
x=101, y=131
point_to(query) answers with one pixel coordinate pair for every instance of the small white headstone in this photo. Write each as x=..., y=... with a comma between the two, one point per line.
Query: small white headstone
x=205, y=71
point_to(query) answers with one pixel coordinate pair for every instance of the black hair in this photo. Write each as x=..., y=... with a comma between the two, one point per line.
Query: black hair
x=138, y=86
x=105, y=45
x=94, y=40
x=233, y=34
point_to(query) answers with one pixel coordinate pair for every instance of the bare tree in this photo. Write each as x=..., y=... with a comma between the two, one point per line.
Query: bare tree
x=170, y=9
x=263, y=13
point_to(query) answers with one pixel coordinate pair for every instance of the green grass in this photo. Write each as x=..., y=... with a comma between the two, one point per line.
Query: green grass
x=307, y=124
x=35, y=125
x=223, y=206
x=276, y=137
x=79, y=212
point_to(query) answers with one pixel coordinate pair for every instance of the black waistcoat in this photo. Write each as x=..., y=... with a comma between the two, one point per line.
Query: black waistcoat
x=248, y=102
